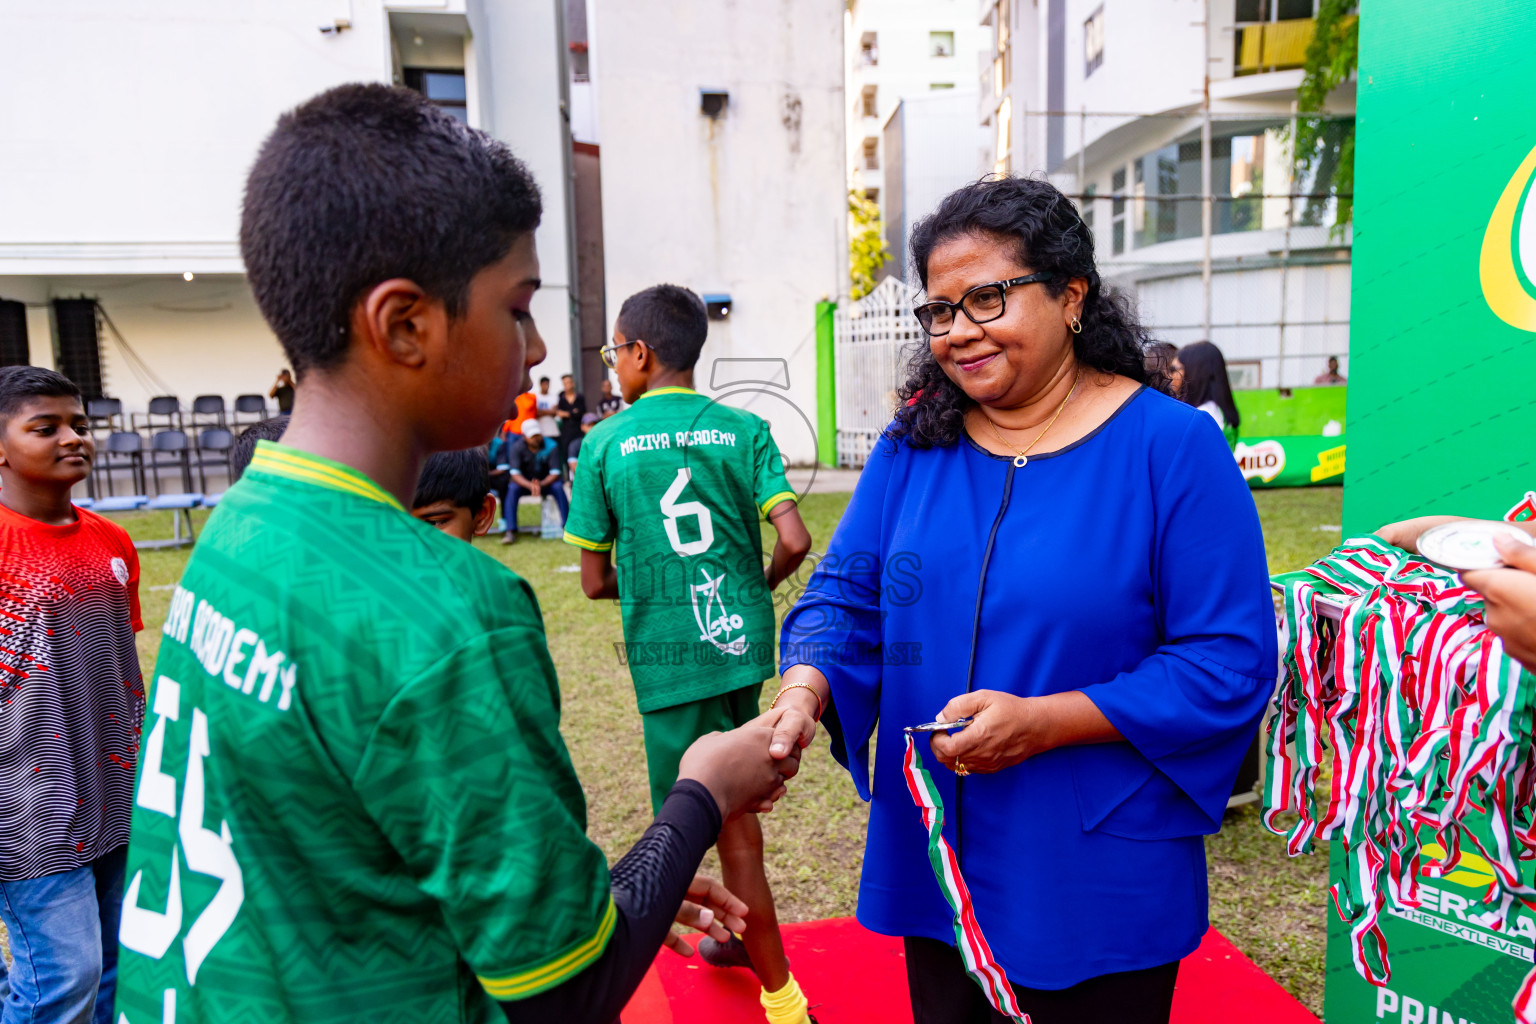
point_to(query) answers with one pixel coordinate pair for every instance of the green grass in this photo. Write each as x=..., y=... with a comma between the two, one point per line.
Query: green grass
x=1270, y=906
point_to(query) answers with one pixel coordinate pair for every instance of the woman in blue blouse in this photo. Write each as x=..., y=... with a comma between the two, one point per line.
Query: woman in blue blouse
x=1046, y=541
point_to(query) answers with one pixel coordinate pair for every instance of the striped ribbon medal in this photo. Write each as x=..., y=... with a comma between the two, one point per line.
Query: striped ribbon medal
x=973, y=947
x=1421, y=718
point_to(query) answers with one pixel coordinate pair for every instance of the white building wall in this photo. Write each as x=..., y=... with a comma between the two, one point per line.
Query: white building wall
x=750, y=204
x=1147, y=93
x=1153, y=52
x=905, y=67
x=943, y=148
x=135, y=123
x=1247, y=324
x=129, y=130
x=520, y=61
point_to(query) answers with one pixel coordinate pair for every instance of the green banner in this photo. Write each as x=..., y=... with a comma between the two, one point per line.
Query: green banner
x=1291, y=412
x=1444, y=967
x=1291, y=461
x=1442, y=390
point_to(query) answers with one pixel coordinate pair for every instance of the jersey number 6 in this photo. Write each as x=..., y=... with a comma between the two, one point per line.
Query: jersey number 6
x=672, y=510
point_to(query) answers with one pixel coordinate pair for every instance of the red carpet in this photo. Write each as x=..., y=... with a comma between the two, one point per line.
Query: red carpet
x=866, y=983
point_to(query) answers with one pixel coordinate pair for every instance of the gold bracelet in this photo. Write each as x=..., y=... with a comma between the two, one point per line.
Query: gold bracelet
x=820, y=704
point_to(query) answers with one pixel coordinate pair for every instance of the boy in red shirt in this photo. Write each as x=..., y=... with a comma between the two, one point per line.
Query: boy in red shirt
x=71, y=703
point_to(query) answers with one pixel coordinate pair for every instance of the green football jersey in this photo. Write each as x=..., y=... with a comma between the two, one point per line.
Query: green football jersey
x=681, y=483
x=354, y=802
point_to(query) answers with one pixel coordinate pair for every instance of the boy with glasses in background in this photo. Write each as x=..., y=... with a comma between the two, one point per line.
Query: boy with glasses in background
x=682, y=483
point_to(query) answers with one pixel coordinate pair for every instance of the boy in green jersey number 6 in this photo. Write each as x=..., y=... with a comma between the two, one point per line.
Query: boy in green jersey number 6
x=354, y=803
x=681, y=483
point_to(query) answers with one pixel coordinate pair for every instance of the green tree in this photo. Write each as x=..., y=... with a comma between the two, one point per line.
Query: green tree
x=866, y=244
x=1325, y=147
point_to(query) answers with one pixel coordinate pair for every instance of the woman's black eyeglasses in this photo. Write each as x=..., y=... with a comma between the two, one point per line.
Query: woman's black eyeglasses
x=611, y=351
x=982, y=304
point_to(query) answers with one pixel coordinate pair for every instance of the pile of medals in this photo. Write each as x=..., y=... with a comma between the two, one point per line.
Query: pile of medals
x=1423, y=724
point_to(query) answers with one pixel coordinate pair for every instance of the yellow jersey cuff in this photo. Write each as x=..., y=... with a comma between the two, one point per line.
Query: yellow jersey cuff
x=590, y=545
x=767, y=506
x=561, y=968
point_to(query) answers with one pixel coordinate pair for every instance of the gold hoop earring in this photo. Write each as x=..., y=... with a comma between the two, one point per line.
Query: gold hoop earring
x=1076, y=325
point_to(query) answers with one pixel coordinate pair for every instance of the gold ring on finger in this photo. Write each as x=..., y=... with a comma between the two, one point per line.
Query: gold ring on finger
x=961, y=769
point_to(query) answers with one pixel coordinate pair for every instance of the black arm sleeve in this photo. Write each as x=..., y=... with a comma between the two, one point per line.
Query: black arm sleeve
x=649, y=884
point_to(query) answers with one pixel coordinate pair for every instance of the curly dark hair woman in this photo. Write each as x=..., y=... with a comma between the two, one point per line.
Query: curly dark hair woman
x=1075, y=560
x=1048, y=235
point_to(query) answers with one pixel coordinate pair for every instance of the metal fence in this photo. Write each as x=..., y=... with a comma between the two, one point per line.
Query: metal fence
x=873, y=336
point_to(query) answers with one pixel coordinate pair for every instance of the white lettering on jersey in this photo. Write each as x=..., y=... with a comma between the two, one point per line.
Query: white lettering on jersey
x=230, y=652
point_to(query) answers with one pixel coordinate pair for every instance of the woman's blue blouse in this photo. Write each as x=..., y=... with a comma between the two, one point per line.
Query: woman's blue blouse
x=1130, y=566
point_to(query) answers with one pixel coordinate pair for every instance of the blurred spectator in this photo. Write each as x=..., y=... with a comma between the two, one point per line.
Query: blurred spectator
x=1203, y=383
x=533, y=469
x=587, y=423
x=527, y=409
x=569, y=409
x=609, y=403
x=1160, y=359
x=546, y=407
x=1333, y=376
x=282, y=390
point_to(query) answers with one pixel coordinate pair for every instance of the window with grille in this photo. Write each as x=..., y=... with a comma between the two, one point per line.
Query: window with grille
x=1093, y=42
x=79, y=353
x=445, y=89
x=13, y=333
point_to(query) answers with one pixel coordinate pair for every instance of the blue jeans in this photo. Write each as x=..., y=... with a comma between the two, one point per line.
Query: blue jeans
x=63, y=934
x=516, y=491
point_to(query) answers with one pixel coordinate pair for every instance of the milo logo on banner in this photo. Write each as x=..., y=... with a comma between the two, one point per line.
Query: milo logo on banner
x=1508, y=264
x=1264, y=460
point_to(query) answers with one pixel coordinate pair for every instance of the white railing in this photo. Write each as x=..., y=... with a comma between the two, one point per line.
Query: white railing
x=874, y=337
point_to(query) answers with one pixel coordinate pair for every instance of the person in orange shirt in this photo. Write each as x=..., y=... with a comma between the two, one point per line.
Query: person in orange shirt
x=527, y=409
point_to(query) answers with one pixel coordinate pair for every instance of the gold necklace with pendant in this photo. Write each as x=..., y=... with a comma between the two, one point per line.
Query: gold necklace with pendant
x=1021, y=458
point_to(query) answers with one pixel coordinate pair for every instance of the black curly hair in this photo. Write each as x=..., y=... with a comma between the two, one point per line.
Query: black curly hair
x=1051, y=236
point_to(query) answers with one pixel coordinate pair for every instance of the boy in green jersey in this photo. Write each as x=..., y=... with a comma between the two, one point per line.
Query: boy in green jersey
x=681, y=482
x=353, y=801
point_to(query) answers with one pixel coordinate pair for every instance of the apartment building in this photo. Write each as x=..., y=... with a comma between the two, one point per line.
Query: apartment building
x=1132, y=106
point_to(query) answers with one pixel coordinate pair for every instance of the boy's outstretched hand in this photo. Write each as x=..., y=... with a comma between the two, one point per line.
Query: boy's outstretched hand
x=710, y=908
x=737, y=770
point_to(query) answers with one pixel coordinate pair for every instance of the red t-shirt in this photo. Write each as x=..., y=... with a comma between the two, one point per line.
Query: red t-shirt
x=71, y=694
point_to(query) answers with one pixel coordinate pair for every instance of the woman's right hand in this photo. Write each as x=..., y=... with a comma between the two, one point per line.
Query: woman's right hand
x=737, y=769
x=793, y=721
x=803, y=695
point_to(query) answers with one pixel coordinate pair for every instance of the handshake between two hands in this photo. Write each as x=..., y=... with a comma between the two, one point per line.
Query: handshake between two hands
x=745, y=771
